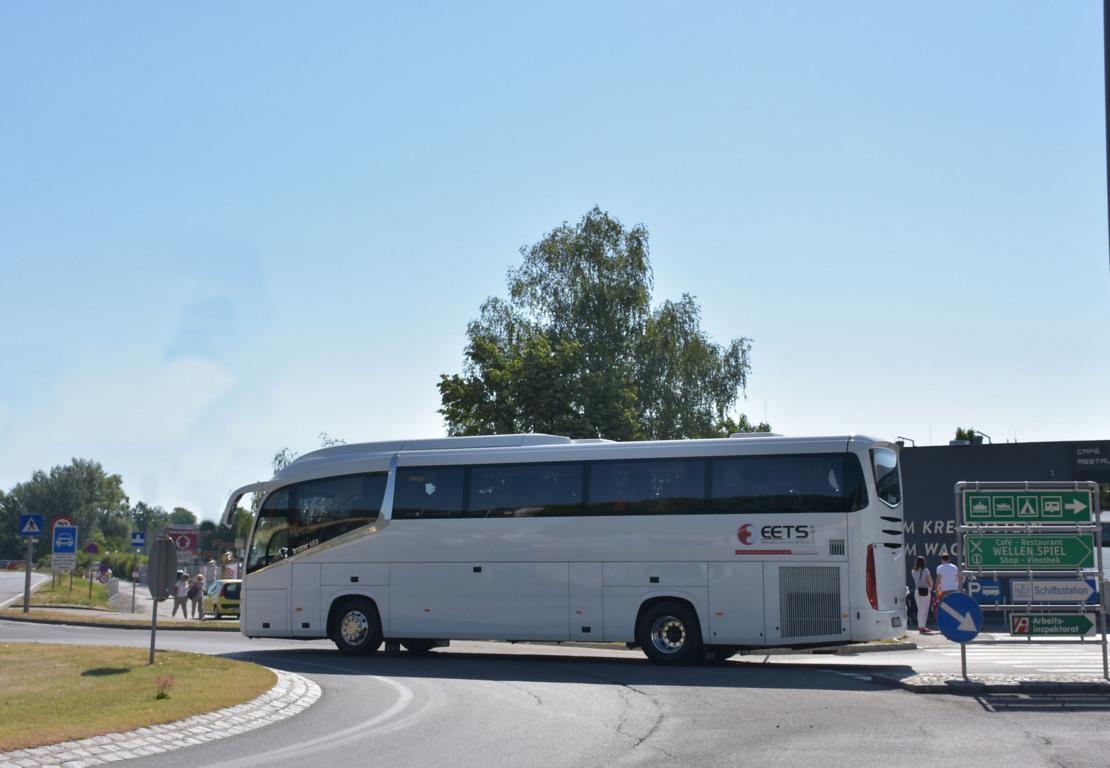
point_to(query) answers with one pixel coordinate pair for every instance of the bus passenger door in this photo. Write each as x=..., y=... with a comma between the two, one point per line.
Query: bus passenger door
x=805, y=602
x=305, y=598
x=265, y=602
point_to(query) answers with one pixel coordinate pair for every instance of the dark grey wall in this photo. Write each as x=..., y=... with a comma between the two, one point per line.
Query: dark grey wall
x=929, y=474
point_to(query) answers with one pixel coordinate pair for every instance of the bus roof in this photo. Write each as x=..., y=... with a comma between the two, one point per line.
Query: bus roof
x=542, y=447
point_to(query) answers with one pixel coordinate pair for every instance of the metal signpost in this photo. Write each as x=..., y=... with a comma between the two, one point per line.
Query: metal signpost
x=160, y=575
x=1050, y=532
x=138, y=539
x=30, y=528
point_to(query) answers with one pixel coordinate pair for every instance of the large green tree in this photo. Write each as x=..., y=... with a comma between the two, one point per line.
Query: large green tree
x=577, y=349
x=150, y=519
x=81, y=491
x=182, y=516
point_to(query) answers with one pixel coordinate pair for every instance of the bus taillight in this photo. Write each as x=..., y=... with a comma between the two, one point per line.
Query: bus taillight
x=872, y=593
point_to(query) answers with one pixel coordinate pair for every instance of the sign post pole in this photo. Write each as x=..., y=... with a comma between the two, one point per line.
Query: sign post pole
x=153, y=630
x=30, y=528
x=161, y=572
x=27, y=575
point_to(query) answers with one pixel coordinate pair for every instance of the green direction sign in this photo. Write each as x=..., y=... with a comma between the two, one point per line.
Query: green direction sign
x=1026, y=624
x=1017, y=505
x=1074, y=550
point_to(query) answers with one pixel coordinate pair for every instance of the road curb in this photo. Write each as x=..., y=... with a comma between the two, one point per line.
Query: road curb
x=109, y=625
x=983, y=684
x=291, y=695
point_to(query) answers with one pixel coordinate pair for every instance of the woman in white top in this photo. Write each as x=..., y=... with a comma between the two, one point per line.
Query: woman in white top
x=922, y=592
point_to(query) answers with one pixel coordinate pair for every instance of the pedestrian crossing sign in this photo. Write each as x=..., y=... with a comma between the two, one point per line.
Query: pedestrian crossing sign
x=30, y=526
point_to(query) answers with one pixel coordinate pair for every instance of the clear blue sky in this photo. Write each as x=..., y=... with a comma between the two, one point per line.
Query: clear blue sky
x=226, y=228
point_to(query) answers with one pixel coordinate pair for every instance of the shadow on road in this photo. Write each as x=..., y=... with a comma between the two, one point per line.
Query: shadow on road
x=576, y=669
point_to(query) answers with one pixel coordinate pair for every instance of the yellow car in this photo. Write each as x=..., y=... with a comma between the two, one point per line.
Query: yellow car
x=222, y=598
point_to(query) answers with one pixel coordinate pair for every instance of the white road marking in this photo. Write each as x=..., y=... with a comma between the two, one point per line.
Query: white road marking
x=1080, y=659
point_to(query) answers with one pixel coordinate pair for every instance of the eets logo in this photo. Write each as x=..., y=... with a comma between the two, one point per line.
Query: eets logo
x=774, y=538
x=786, y=532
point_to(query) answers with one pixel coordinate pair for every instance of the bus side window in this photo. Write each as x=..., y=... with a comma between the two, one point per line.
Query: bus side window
x=806, y=483
x=525, y=490
x=424, y=493
x=656, y=487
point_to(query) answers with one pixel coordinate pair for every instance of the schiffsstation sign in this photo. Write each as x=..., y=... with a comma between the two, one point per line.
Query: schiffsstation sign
x=1066, y=550
x=1018, y=505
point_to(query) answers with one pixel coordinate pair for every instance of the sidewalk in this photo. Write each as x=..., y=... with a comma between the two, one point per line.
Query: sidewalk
x=120, y=611
x=1021, y=680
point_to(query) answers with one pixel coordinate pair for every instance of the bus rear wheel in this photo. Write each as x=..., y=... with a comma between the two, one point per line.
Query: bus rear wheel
x=356, y=628
x=669, y=633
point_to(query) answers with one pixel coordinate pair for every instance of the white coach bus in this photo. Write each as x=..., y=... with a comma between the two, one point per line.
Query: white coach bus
x=689, y=549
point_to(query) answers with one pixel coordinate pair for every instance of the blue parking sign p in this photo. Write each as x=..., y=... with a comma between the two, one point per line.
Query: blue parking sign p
x=30, y=526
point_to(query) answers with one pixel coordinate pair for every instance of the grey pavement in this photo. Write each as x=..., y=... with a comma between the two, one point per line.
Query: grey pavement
x=485, y=704
x=494, y=704
x=11, y=586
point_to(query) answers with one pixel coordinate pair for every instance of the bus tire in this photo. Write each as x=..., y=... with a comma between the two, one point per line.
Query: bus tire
x=356, y=627
x=669, y=633
x=419, y=645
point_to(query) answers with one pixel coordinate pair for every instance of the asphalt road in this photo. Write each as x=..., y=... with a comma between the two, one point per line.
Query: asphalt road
x=485, y=704
x=11, y=586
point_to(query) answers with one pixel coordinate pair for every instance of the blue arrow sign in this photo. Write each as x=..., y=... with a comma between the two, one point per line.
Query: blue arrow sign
x=959, y=617
x=138, y=539
x=65, y=540
x=30, y=526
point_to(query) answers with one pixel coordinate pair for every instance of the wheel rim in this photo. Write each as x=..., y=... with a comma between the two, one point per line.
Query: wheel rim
x=354, y=628
x=668, y=634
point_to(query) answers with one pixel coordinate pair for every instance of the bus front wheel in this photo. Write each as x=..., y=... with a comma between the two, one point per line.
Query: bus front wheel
x=357, y=629
x=669, y=633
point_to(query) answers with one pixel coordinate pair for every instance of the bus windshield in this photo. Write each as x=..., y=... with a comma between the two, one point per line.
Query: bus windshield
x=304, y=515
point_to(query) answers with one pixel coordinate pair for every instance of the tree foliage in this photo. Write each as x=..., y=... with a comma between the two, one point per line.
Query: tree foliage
x=182, y=516
x=576, y=349
x=81, y=491
x=968, y=434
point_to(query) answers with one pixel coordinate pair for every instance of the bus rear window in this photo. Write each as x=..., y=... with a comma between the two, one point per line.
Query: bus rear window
x=887, y=485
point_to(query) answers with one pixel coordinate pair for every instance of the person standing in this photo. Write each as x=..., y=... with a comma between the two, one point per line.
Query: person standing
x=196, y=596
x=922, y=592
x=948, y=577
x=179, y=593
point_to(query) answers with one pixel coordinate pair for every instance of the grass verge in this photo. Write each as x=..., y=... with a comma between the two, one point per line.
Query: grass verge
x=121, y=620
x=56, y=693
x=61, y=593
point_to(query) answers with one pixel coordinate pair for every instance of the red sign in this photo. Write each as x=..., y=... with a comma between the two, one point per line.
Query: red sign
x=185, y=538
